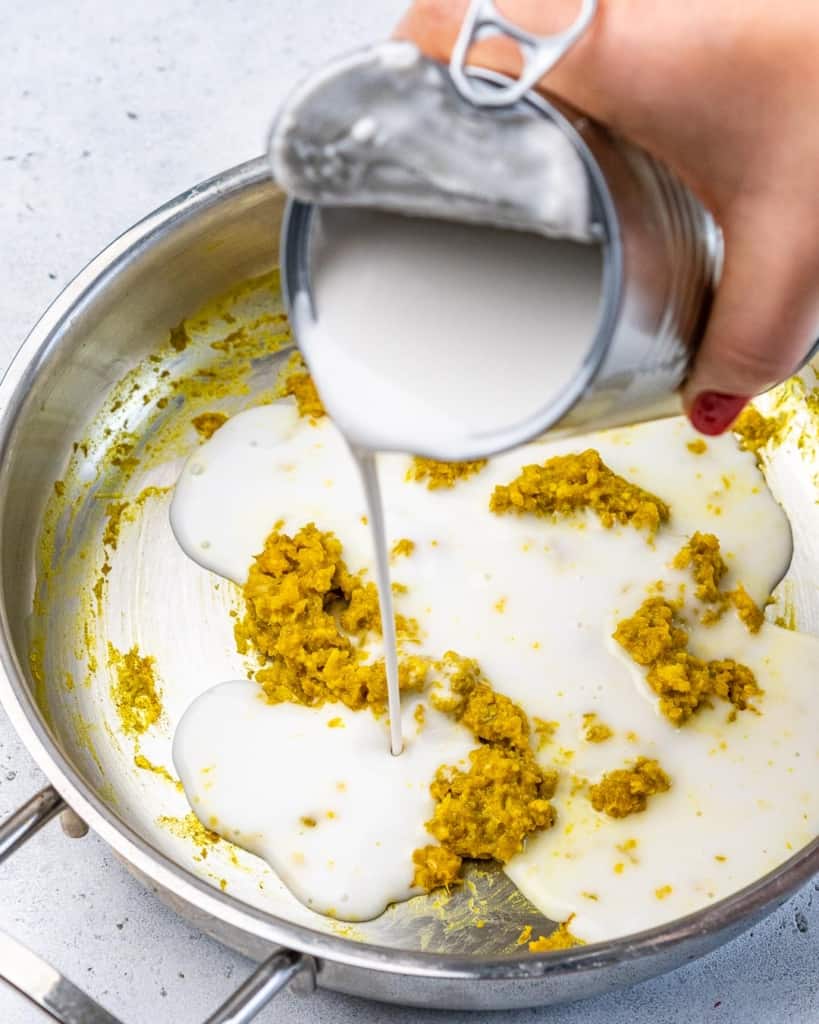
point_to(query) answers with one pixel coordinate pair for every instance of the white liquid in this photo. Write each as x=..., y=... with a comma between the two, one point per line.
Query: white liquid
x=435, y=337
x=365, y=461
x=744, y=792
x=368, y=808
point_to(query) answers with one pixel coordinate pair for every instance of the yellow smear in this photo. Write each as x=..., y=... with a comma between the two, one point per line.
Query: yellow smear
x=190, y=827
x=142, y=762
x=207, y=423
x=663, y=892
x=544, y=731
x=135, y=692
x=594, y=730
x=698, y=447
x=267, y=333
x=629, y=848
x=117, y=513
x=88, y=642
x=568, y=484
x=578, y=784
x=788, y=619
x=36, y=658
x=83, y=734
x=150, y=492
x=403, y=547
x=179, y=338
x=560, y=938
x=302, y=387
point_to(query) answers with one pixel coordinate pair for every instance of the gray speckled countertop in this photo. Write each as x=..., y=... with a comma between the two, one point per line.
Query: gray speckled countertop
x=109, y=109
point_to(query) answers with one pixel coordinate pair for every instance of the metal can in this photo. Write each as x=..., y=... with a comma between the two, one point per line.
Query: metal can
x=662, y=256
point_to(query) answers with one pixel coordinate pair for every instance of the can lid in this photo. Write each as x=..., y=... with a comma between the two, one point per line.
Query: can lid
x=387, y=128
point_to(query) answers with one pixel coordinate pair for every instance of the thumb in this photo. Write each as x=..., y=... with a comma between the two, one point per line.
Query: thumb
x=766, y=314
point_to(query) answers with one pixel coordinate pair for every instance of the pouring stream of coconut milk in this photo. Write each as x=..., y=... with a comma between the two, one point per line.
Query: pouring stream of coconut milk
x=460, y=273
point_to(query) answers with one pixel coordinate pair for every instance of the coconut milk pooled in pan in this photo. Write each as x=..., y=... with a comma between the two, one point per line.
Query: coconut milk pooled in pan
x=339, y=819
x=637, y=817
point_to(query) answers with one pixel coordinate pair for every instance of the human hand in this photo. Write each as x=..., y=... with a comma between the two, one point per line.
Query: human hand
x=726, y=95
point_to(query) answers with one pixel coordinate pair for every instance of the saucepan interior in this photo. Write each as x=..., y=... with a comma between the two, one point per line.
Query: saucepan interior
x=180, y=317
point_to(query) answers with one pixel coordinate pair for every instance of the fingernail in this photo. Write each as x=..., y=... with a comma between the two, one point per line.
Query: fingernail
x=713, y=412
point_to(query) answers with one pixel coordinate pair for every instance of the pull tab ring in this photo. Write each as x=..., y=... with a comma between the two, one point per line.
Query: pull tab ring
x=540, y=53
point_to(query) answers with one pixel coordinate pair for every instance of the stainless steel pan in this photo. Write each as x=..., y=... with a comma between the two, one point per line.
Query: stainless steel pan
x=100, y=397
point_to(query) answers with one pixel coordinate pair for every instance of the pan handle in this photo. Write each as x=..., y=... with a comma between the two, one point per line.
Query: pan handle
x=47, y=988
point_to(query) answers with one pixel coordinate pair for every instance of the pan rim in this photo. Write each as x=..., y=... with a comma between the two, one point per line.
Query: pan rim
x=725, y=917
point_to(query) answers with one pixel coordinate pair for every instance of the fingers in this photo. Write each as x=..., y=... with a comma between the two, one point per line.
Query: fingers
x=616, y=71
x=583, y=77
x=766, y=315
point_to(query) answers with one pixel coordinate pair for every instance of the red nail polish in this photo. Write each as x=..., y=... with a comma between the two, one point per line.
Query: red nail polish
x=713, y=412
